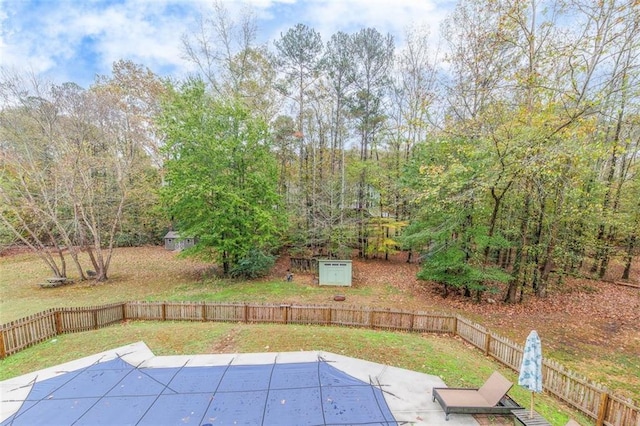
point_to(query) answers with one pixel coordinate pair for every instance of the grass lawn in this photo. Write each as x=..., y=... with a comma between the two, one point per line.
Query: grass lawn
x=455, y=362
x=154, y=274
x=151, y=274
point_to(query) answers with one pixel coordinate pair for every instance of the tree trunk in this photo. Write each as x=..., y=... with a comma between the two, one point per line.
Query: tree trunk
x=225, y=263
x=546, y=265
x=599, y=250
x=602, y=252
x=505, y=258
x=34, y=244
x=606, y=252
x=492, y=221
x=627, y=267
x=519, y=266
x=537, y=243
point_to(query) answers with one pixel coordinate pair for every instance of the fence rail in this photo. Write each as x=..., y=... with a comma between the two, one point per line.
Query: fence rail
x=304, y=264
x=591, y=398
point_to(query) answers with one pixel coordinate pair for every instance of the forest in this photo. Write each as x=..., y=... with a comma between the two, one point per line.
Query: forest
x=505, y=155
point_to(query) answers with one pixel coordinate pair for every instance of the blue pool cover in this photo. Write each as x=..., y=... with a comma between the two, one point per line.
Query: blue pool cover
x=117, y=393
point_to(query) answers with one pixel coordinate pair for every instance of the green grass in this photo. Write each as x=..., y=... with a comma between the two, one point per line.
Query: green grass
x=151, y=274
x=618, y=371
x=135, y=274
x=452, y=360
x=265, y=292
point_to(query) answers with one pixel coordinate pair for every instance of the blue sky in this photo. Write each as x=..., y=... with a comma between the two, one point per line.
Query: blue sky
x=73, y=40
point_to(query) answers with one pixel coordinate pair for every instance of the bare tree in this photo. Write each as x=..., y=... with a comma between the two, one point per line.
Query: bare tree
x=70, y=160
x=31, y=185
x=221, y=48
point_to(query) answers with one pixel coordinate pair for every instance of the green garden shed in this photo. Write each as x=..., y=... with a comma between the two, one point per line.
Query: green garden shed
x=334, y=272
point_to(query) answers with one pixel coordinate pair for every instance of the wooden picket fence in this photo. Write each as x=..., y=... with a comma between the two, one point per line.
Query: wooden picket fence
x=304, y=264
x=590, y=398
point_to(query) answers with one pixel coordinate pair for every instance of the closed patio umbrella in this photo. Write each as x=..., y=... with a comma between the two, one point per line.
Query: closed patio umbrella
x=531, y=369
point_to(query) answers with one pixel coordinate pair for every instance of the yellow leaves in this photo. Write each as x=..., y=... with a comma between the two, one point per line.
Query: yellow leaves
x=431, y=170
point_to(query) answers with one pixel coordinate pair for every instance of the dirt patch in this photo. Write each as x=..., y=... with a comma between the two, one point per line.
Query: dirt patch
x=389, y=283
x=226, y=345
x=13, y=250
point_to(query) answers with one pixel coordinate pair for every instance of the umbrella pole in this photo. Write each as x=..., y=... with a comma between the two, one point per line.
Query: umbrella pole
x=531, y=413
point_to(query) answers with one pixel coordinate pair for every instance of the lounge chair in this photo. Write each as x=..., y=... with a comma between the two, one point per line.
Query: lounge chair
x=491, y=398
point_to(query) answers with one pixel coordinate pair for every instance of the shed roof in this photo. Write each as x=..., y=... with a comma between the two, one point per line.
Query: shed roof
x=172, y=234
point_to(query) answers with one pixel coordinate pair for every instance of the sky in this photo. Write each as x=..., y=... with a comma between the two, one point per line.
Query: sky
x=75, y=40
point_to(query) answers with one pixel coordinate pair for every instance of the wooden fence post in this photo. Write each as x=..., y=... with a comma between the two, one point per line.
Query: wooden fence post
x=124, y=311
x=455, y=325
x=164, y=311
x=204, y=311
x=58, y=320
x=285, y=313
x=246, y=313
x=95, y=319
x=487, y=344
x=3, y=349
x=602, y=409
x=328, y=316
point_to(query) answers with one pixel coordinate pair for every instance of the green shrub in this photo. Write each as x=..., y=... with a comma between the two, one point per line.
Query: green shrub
x=255, y=264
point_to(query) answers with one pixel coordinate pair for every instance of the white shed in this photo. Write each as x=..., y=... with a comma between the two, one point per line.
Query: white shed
x=334, y=272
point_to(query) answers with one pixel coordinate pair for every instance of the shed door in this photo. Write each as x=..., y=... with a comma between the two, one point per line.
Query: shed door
x=335, y=273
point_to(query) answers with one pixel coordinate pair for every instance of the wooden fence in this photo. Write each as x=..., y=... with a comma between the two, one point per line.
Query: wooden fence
x=304, y=264
x=592, y=399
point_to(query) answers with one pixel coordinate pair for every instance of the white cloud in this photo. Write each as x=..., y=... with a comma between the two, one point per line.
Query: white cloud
x=392, y=16
x=74, y=40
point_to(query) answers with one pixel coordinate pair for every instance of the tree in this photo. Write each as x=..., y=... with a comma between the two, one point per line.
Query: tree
x=220, y=175
x=411, y=118
x=449, y=224
x=299, y=54
x=633, y=232
x=31, y=185
x=616, y=28
x=225, y=52
x=71, y=161
x=221, y=48
x=546, y=117
x=370, y=76
x=257, y=88
x=338, y=64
